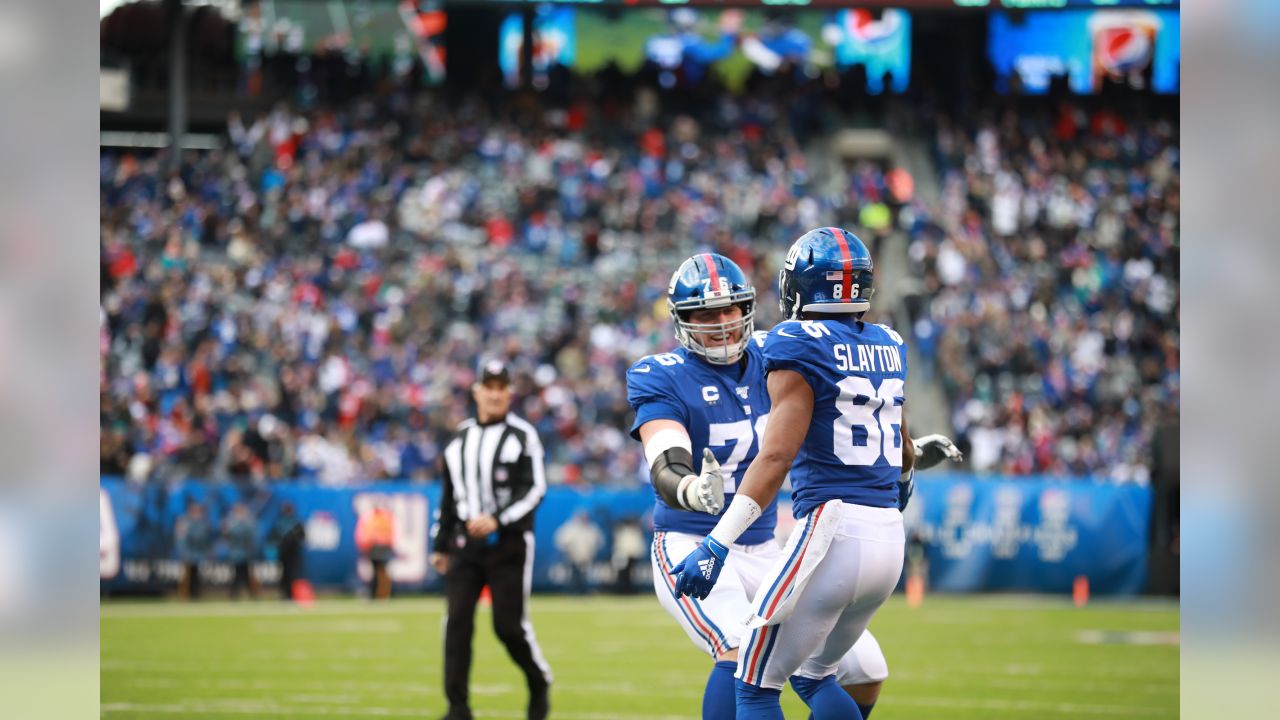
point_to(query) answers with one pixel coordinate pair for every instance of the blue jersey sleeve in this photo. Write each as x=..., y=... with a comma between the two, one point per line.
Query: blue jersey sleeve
x=789, y=347
x=651, y=392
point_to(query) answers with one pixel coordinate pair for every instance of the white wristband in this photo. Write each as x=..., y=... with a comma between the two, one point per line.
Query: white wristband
x=739, y=516
x=683, y=489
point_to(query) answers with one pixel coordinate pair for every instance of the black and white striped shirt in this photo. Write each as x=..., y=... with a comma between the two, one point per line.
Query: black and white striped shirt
x=492, y=469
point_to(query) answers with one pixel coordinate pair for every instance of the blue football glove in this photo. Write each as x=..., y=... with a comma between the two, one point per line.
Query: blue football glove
x=700, y=569
x=906, y=486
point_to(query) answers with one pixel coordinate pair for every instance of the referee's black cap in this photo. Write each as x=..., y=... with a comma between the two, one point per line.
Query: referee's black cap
x=495, y=369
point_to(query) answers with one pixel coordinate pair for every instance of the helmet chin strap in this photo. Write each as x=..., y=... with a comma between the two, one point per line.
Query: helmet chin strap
x=795, y=308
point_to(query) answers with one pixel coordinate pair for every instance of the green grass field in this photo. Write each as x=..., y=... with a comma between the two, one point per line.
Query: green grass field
x=954, y=658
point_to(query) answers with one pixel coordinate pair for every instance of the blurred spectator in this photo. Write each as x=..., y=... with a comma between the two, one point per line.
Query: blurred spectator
x=307, y=302
x=194, y=537
x=579, y=541
x=1050, y=273
x=241, y=534
x=375, y=536
x=289, y=537
x=629, y=548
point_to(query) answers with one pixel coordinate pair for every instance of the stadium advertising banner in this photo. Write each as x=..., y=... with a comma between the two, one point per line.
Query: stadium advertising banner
x=1138, y=47
x=137, y=550
x=880, y=42
x=1031, y=534
x=554, y=43
x=978, y=535
x=911, y=4
x=393, y=30
x=685, y=44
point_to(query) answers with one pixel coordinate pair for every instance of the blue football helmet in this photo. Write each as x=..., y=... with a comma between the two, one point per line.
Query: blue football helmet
x=828, y=270
x=711, y=281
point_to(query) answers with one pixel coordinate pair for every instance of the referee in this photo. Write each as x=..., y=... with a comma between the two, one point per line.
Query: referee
x=493, y=480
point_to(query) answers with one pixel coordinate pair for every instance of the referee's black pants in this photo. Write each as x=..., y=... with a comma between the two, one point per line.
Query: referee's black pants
x=506, y=567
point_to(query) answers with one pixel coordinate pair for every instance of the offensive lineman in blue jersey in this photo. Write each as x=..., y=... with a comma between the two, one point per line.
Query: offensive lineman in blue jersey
x=711, y=394
x=837, y=398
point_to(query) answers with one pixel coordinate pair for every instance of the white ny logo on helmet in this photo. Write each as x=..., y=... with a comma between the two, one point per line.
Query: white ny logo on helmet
x=792, y=255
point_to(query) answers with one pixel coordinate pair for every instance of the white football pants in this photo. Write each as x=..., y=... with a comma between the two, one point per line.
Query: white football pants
x=718, y=623
x=827, y=599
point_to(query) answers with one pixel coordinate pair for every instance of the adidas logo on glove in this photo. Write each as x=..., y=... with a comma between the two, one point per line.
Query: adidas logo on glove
x=707, y=566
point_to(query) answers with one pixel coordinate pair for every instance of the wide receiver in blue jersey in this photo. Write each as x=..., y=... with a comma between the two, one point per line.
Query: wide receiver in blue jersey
x=836, y=386
x=711, y=394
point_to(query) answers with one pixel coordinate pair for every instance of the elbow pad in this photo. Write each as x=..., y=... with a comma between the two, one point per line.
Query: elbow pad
x=671, y=467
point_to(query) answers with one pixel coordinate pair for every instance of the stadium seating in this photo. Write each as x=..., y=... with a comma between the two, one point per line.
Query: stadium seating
x=310, y=300
x=1049, y=302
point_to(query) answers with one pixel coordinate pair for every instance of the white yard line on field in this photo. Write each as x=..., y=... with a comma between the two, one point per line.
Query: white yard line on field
x=963, y=608
x=948, y=679
x=1127, y=711
x=432, y=605
x=254, y=707
x=258, y=708
x=357, y=626
x=1127, y=637
x=381, y=688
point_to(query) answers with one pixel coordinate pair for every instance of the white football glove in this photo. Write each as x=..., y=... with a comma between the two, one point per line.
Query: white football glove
x=705, y=492
x=933, y=449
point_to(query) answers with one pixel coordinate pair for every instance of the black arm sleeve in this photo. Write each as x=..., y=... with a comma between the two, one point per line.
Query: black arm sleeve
x=668, y=470
x=448, y=514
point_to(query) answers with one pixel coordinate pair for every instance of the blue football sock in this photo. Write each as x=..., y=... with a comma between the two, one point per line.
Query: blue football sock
x=825, y=698
x=755, y=703
x=866, y=711
x=718, y=700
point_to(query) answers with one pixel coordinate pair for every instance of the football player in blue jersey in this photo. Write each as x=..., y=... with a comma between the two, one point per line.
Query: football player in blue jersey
x=837, y=424
x=710, y=394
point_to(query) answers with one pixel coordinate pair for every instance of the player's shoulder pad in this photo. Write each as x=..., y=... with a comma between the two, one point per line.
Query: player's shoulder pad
x=787, y=339
x=787, y=329
x=653, y=370
x=890, y=333
x=755, y=344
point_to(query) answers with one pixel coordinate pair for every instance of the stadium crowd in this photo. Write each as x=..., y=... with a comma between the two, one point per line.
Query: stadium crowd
x=311, y=300
x=1050, y=286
